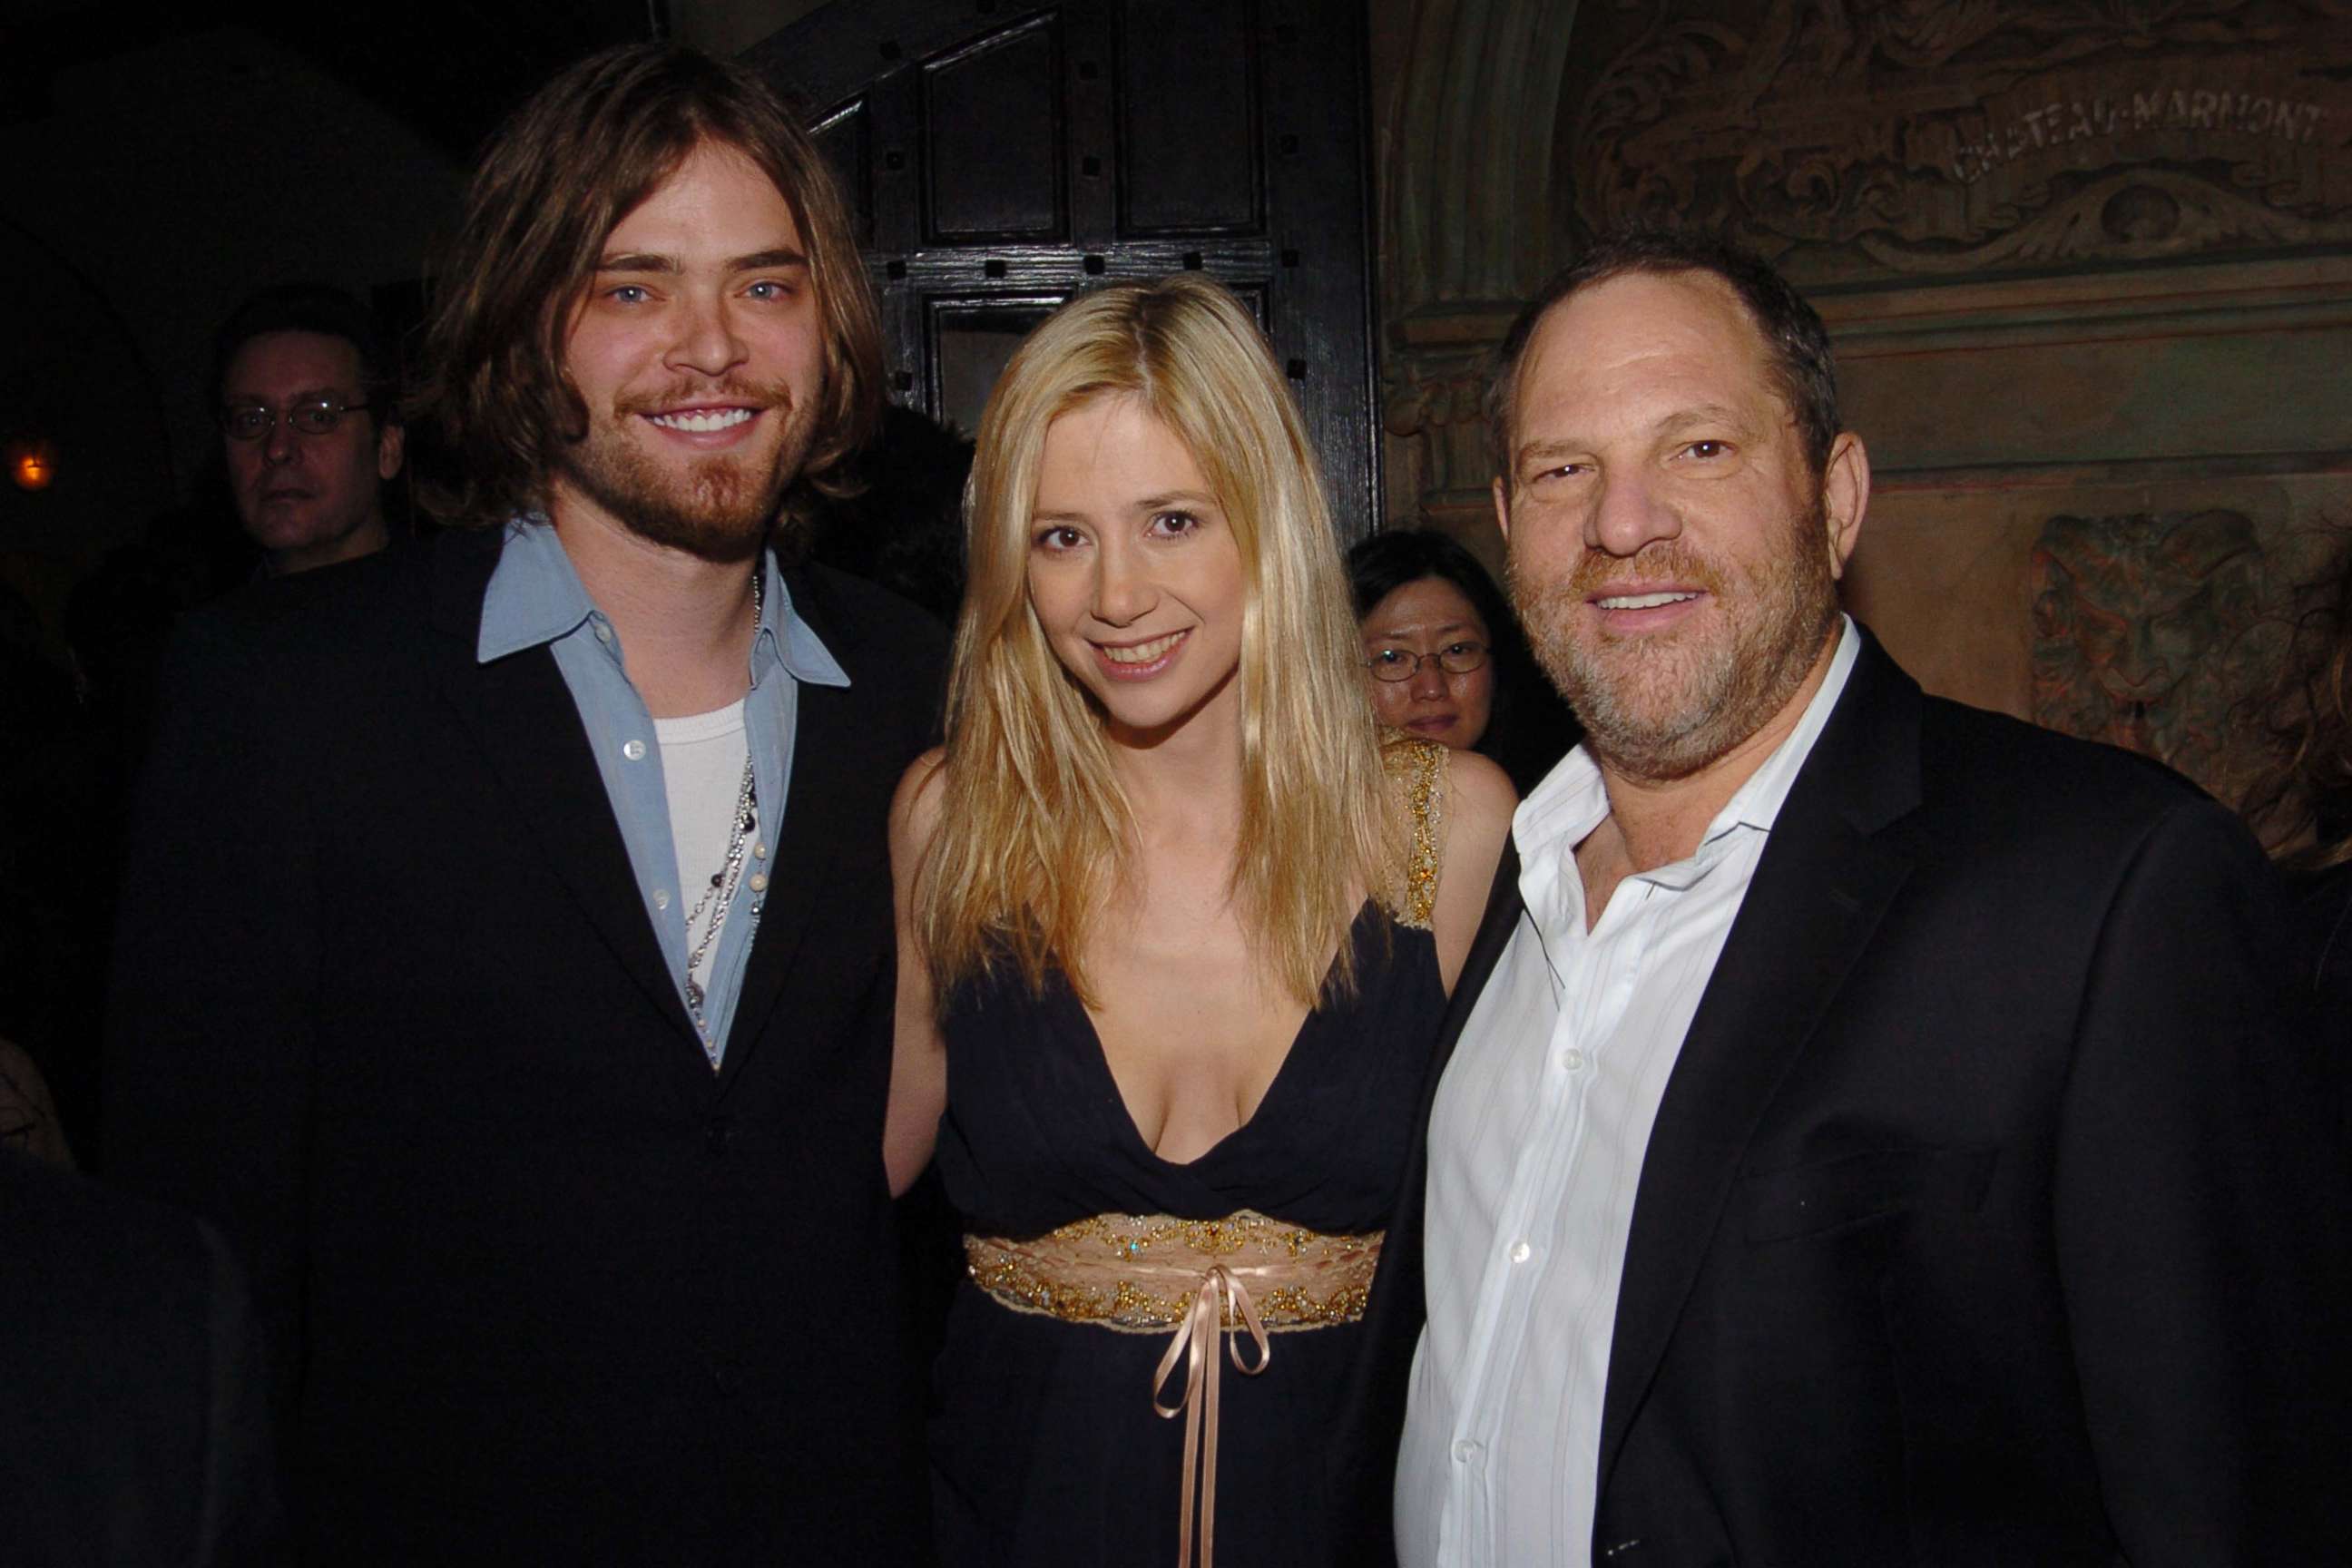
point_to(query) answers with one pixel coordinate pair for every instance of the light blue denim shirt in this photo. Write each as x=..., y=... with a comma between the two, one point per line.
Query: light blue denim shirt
x=535, y=597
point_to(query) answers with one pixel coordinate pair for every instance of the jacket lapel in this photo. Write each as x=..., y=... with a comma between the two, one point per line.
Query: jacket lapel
x=521, y=714
x=835, y=738
x=1825, y=878
x=1364, y=1464
x=1503, y=908
x=818, y=822
x=1401, y=1257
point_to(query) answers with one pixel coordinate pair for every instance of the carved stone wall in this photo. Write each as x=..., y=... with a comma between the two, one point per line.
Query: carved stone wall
x=2088, y=264
x=1885, y=139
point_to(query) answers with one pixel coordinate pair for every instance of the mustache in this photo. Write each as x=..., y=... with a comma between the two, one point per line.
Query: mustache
x=761, y=395
x=1668, y=559
x=1596, y=573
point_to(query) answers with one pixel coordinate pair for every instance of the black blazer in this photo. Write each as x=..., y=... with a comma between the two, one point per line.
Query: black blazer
x=538, y=1283
x=133, y=1429
x=1987, y=1217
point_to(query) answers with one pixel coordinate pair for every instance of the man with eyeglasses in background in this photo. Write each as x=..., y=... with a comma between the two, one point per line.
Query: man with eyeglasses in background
x=309, y=425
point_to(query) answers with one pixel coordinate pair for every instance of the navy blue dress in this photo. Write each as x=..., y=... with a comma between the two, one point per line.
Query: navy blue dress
x=1044, y=1446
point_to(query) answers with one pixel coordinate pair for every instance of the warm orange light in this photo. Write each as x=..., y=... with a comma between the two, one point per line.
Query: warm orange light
x=31, y=465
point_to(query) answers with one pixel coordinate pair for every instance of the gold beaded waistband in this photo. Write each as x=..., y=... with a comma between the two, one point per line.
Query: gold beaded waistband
x=1142, y=1274
x=1139, y=1273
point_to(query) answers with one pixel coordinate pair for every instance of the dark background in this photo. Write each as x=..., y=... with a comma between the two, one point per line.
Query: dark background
x=157, y=171
x=152, y=172
x=999, y=155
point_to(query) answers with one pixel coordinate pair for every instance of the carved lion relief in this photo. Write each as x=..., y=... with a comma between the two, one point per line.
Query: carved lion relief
x=2161, y=632
x=1855, y=139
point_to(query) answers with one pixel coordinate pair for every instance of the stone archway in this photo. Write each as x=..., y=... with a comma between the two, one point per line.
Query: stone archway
x=1467, y=231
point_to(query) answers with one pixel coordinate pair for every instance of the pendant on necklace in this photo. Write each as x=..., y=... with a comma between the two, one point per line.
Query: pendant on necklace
x=693, y=994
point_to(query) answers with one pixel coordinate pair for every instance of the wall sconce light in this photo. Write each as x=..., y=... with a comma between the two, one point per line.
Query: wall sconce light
x=32, y=463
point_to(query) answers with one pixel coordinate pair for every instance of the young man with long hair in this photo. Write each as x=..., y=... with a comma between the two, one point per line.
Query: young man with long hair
x=505, y=961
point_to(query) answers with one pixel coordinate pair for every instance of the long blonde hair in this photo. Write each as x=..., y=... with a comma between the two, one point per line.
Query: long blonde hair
x=1034, y=827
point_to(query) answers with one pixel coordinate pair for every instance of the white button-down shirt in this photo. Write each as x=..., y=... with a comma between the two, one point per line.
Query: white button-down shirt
x=1535, y=1150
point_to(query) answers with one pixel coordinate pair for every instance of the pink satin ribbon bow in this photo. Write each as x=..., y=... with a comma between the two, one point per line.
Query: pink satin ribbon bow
x=1195, y=1341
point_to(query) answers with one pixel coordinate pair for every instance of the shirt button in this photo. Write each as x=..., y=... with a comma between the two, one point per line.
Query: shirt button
x=1521, y=1252
x=1571, y=1061
x=759, y=882
x=761, y=850
x=1464, y=1451
x=661, y=898
x=603, y=632
x=634, y=749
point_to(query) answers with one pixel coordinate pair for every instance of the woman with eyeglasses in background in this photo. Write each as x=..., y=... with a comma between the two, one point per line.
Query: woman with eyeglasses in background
x=1446, y=658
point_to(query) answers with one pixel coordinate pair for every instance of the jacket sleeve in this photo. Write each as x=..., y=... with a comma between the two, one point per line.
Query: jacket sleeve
x=211, y=1003
x=240, y=1523
x=2199, y=1202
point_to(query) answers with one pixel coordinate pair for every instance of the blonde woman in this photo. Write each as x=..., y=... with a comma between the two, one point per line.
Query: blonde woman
x=1176, y=934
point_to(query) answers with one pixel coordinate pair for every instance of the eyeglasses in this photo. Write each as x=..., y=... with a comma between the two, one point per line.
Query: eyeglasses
x=1403, y=664
x=312, y=417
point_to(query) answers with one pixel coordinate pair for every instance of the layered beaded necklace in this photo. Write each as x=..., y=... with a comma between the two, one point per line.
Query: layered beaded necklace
x=728, y=880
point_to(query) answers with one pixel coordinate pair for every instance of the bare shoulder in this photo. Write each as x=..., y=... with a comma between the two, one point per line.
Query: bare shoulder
x=915, y=804
x=1479, y=802
x=1481, y=797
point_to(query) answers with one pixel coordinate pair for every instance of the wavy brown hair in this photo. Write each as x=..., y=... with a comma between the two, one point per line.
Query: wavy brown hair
x=554, y=182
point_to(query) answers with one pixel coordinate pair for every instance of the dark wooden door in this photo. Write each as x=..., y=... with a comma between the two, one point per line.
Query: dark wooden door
x=1000, y=157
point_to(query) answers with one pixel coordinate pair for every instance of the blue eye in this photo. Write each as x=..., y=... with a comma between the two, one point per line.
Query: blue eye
x=627, y=294
x=768, y=289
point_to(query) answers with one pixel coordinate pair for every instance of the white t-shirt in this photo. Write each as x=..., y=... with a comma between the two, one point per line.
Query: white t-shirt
x=702, y=760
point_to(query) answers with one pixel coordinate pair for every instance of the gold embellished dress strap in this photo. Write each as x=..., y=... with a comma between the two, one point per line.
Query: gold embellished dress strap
x=1417, y=774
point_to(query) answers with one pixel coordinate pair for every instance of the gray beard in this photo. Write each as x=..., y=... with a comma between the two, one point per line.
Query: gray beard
x=1662, y=710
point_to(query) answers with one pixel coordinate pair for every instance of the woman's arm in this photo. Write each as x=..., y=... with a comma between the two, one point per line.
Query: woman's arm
x=919, y=1061
x=1479, y=801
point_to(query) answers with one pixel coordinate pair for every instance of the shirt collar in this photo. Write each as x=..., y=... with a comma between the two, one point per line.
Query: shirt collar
x=1572, y=800
x=535, y=597
x=1759, y=801
x=790, y=640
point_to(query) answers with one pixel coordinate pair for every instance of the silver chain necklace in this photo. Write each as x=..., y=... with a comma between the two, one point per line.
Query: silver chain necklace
x=728, y=880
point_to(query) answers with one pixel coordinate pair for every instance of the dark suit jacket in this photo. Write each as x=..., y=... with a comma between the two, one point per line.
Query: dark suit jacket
x=1986, y=1218
x=133, y=1428
x=387, y=1006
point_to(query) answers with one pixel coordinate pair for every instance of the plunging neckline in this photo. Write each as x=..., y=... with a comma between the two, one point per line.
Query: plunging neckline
x=1101, y=1058
x=1031, y=1143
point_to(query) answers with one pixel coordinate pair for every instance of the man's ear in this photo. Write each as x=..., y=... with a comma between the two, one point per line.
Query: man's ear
x=1503, y=506
x=391, y=446
x=1845, y=496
